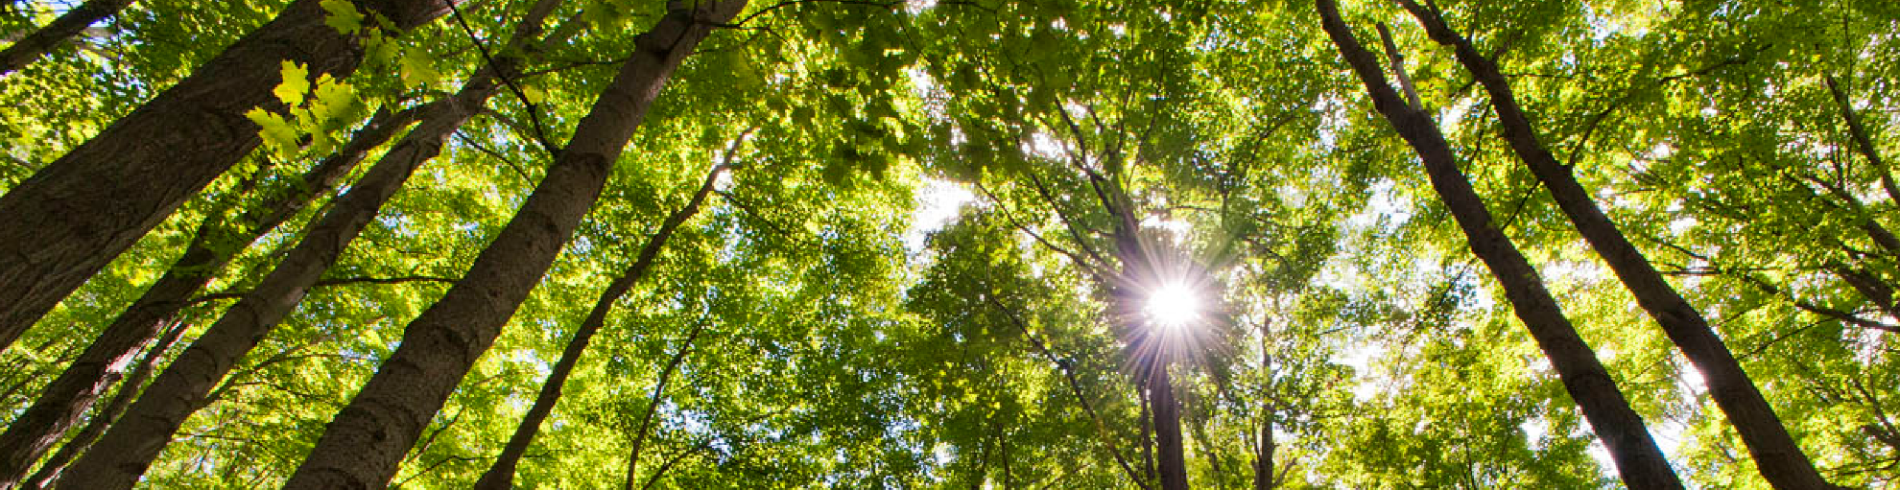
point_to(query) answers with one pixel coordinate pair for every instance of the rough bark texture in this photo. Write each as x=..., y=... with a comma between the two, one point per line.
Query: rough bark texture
x=128, y=390
x=217, y=242
x=74, y=216
x=368, y=438
x=30, y=48
x=1777, y=456
x=1638, y=460
x=501, y=475
x=130, y=447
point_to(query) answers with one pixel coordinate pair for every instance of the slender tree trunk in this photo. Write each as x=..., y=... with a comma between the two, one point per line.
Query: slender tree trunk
x=1776, y=454
x=1264, y=446
x=1862, y=142
x=653, y=404
x=1638, y=459
x=128, y=390
x=216, y=243
x=30, y=48
x=129, y=448
x=501, y=475
x=74, y=216
x=368, y=438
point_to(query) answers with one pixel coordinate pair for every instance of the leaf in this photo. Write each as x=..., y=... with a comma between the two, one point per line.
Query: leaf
x=277, y=133
x=418, y=68
x=296, y=83
x=342, y=16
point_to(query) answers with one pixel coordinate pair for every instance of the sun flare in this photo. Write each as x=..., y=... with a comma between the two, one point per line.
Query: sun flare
x=1173, y=306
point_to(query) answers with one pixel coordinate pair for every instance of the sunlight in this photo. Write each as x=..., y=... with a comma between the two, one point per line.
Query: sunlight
x=1173, y=306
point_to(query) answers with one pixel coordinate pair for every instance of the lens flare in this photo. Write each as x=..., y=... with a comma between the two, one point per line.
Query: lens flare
x=1173, y=306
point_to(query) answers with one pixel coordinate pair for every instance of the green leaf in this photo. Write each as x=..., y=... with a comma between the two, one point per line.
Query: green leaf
x=342, y=16
x=296, y=83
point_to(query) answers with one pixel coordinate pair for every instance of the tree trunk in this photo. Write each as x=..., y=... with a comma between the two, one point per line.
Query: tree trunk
x=1776, y=454
x=74, y=216
x=653, y=405
x=369, y=437
x=216, y=243
x=1638, y=460
x=132, y=444
x=501, y=475
x=30, y=48
x=128, y=390
x=1264, y=447
x=1170, y=457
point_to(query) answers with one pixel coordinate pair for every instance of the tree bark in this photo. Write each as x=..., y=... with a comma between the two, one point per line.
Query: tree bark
x=128, y=390
x=74, y=216
x=217, y=242
x=501, y=475
x=30, y=48
x=369, y=437
x=129, y=448
x=1638, y=460
x=1777, y=456
x=1170, y=456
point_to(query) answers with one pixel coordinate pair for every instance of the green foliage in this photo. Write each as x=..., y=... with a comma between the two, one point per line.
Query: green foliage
x=846, y=342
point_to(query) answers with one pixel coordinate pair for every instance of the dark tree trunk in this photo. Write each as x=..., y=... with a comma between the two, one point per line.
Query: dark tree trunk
x=368, y=438
x=129, y=448
x=30, y=48
x=216, y=243
x=1265, y=446
x=501, y=475
x=1170, y=456
x=653, y=406
x=1638, y=460
x=1776, y=454
x=128, y=390
x=74, y=216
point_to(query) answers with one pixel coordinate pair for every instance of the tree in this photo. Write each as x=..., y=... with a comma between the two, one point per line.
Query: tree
x=77, y=213
x=358, y=449
x=33, y=46
x=1638, y=458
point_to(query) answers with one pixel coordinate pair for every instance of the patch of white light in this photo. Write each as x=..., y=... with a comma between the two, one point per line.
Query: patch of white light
x=937, y=203
x=1119, y=29
x=1046, y=146
x=914, y=7
x=1173, y=306
x=1177, y=229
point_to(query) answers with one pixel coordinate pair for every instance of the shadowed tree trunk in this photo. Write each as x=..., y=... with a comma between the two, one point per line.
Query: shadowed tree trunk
x=30, y=48
x=74, y=216
x=132, y=444
x=1776, y=454
x=217, y=242
x=501, y=475
x=367, y=440
x=1638, y=460
x=128, y=390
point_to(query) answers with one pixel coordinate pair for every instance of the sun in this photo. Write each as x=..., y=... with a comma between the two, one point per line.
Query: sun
x=1173, y=306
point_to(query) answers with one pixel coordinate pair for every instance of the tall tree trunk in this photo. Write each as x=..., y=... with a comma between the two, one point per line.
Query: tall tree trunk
x=1776, y=454
x=128, y=390
x=369, y=437
x=74, y=216
x=501, y=475
x=29, y=49
x=1638, y=460
x=1170, y=456
x=216, y=243
x=1264, y=446
x=129, y=448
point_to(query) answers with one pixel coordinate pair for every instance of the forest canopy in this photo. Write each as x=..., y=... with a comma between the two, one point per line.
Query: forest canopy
x=992, y=244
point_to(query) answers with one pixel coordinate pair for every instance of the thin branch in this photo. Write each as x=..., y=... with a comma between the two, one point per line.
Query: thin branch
x=534, y=113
